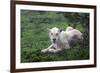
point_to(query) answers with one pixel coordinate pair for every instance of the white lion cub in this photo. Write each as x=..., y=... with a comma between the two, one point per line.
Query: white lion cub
x=63, y=39
x=58, y=40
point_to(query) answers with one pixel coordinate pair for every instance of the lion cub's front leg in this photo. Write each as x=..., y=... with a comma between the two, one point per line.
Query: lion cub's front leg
x=47, y=49
x=51, y=49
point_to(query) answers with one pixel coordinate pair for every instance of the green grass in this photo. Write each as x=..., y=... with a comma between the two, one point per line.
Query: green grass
x=70, y=54
x=34, y=38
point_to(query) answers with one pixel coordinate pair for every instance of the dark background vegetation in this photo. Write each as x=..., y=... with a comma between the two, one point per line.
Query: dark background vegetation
x=34, y=36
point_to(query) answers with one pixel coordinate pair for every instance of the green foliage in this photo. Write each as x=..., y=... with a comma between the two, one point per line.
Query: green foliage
x=70, y=54
x=34, y=35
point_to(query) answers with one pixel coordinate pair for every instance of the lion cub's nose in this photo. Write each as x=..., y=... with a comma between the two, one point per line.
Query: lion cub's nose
x=54, y=40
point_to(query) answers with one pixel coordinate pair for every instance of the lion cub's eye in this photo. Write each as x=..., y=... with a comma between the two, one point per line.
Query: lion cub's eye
x=56, y=34
x=51, y=33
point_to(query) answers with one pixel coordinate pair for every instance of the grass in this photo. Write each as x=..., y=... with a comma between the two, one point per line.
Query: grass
x=71, y=54
x=34, y=38
x=38, y=39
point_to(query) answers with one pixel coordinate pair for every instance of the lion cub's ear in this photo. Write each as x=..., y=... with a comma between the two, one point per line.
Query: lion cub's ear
x=60, y=30
x=48, y=29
